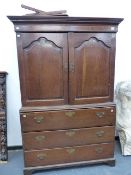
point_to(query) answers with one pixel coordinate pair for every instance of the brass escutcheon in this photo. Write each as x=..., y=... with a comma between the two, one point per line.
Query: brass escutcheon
x=100, y=114
x=70, y=113
x=40, y=138
x=39, y=119
x=70, y=150
x=100, y=133
x=41, y=156
x=70, y=133
x=99, y=150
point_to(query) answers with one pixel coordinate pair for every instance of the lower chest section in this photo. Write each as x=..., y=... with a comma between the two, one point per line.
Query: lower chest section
x=53, y=137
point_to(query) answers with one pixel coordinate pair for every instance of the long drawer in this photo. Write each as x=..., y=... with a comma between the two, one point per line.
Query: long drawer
x=68, y=154
x=72, y=137
x=67, y=119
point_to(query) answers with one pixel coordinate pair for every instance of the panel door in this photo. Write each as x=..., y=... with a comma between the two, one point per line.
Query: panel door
x=43, y=65
x=91, y=67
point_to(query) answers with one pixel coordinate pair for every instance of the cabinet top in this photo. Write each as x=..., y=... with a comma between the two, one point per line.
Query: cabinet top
x=64, y=20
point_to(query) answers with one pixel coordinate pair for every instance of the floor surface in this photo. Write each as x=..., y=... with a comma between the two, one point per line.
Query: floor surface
x=123, y=166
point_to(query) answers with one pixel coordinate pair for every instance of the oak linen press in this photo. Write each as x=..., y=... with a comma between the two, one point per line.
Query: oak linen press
x=66, y=68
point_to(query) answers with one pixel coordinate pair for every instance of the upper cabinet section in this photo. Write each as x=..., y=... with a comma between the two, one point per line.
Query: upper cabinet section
x=65, y=60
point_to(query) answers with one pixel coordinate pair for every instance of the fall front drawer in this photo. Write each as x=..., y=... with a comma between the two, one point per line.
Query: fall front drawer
x=68, y=154
x=62, y=138
x=67, y=119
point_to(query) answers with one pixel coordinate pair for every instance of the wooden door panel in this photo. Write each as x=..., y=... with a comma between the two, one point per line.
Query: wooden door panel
x=44, y=67
x=50, y=68
x=91, y=76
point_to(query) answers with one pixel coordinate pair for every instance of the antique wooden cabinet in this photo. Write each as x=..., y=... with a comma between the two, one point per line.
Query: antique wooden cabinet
x=66, y=68
x=3, y=118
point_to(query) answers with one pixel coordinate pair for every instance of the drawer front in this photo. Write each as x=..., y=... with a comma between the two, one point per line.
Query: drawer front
x=67, y=119
x=63, y=138
x=68, y=154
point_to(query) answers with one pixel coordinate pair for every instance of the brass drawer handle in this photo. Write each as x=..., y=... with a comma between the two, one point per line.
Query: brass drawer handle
x=99, y=150
x=100, y=133
x=100, y=114
x=39, y=119
x=70, y=133
x=40, y=138
x=70, y=150
x=41, y=156
x=70, y=113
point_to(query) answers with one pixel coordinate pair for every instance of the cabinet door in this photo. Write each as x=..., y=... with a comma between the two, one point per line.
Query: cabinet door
x=43, y=63
x=91, y=67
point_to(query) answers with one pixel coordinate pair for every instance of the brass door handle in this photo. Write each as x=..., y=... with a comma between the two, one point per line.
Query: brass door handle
x=40, y=138
x=70, y=113
x=70, y=133
x=66, y=67
x=100, y=114
x=41, y=156
x=71, y=67
x=100, y=133
x=39, y=119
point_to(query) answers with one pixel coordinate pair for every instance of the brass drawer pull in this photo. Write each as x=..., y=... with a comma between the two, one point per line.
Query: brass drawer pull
x=41, y=156
x=70, y=150
x=40, y=138
x=100, y=133
x=100, y=114
x=99, y=150
x=70, y=113
x=39, y=119
x=70, y=133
